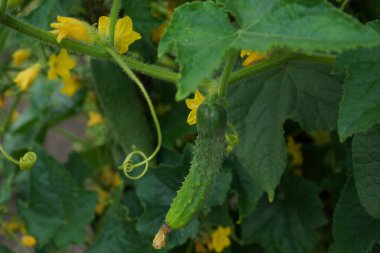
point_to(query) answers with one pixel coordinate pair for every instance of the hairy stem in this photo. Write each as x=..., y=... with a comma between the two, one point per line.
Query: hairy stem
x=227, y=72
x=113, y=19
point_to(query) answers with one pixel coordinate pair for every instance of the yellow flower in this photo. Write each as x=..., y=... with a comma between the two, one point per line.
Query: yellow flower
x=124, y=34
x=20, y=56
x=193, y=105
x=94, y=118
x=26, y=77
x=103, y=200
x=111, y=177
x=321, y=138
x=70, y=86
x=28, y=241
x=252, y=57
x=60, y=65
x=72, y=28
x=294, y=149
x=220, y=239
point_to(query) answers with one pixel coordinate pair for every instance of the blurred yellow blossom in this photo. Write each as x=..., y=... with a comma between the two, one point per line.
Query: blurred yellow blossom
x=14, y=116
x=28, y=241
x=2, y=101
x=193, y=105
x=124, y=34
x=294, y=149
x=252, y=57
x=94, y=118
x=220, y=239
x=111, y=177
x=103, y=200
x=60, y=65
x=26, y=77
x=70, y=86
x=321, y=138
x=20, y=56
x=72, y=28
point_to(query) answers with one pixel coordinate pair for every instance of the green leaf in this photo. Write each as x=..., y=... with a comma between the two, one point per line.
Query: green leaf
x=122, y=108
x=156, y=191
x=259, y=106
x=57, y=210
x=221, y=188
x=354, y=230
x=360, y=105
x=6, y=184
x=118, y=235
x=287, y=225
x=366, y=168
x=201, y=33
x=248, y=191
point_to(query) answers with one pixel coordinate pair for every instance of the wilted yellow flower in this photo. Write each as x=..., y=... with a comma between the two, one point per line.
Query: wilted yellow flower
x=60, y=65
x=111, y=177
x=26, y=77
x=70, y=86
x=20, y=56
x=124, y=34
x=220, y=239
x=193, y=105
x=28, y=241
x=94, y=118
x=2, y=101
x=252, y=57
x=294, y=149
x=72, y=28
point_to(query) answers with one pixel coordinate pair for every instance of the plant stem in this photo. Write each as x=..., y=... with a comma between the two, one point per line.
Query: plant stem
x=227, y=72
x=113, y=19
x=3, y=37
x=3, y=9
x=8, y=157
x=259, y=67
x=90, y=50
x=321, y=58
x=69, y=135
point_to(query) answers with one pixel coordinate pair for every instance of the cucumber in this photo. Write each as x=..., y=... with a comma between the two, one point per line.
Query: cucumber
x=206, y=163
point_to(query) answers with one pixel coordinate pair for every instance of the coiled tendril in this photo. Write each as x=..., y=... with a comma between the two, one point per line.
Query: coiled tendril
x=25, y=163
x=128, y=166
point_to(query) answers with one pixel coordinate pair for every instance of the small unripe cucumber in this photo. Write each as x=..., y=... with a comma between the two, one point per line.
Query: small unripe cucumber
x=205, y=165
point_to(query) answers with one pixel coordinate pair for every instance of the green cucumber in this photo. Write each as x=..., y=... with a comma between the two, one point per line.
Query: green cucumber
x=206, y=163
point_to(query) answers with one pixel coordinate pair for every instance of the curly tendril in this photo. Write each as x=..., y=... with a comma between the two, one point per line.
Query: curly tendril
x=25, y=163
x=28, y=160
x=128, y=165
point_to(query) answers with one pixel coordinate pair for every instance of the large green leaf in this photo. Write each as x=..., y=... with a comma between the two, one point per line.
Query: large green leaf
x=354, y=230
x=201, y=33
x=57, y=211
x=118, y=235
x=366, y=168
x=260, y=105
x=360, y=106
x=287, y=225
x=121, y=106
x=248, y=191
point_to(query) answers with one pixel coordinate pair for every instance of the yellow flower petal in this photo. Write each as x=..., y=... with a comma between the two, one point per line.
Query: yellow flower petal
x=60, y=65
x=20, y=56
x=94, y=118
x=26, y=77
x=220, y=239
x=70, y=86
x=72, y=28
x=103, y=25
x=28, y=241
x=294, y=149
x=252, y=57
x=193, y=105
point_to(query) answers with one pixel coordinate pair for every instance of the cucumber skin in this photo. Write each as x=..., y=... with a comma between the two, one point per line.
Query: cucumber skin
x=205, y=166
